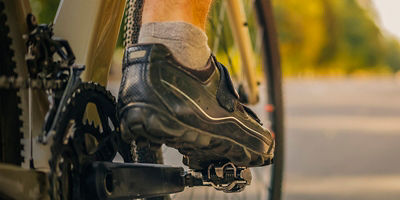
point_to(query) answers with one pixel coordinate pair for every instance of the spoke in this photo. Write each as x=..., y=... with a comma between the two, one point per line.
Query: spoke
x=221, y=31
x=221, y=19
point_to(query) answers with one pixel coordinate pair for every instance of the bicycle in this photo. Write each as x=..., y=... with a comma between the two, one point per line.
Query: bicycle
x=71, y=97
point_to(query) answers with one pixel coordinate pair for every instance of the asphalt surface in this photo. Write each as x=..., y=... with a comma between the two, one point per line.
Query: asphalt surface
x=343, y=139
x=342, y=142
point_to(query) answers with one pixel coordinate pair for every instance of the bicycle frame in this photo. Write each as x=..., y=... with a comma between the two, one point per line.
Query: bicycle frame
x=237, y=20
x=92, y=28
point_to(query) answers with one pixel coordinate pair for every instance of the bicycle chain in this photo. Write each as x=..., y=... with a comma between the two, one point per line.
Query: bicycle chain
x=133, y=21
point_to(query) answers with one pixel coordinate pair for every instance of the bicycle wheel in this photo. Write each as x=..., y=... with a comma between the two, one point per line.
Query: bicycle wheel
x=263, y=38
x=267, y=181
x=273, y=73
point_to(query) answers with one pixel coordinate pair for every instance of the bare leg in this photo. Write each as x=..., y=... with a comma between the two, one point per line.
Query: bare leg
x=179, y=25
x=190, y=11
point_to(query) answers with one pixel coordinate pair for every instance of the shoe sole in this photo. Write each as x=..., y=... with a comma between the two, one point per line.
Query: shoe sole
x=142, y=120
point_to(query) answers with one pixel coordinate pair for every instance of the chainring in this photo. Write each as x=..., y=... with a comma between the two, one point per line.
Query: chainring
x=78, y=142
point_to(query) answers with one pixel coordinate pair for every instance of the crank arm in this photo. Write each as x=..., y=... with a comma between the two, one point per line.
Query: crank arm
x=106, y=180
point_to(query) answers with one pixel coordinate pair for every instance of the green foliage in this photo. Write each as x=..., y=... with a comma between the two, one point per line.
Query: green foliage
x=45, y=10
x=392, y=54
x=330, y=36
x=220, y=37
x=322, y=36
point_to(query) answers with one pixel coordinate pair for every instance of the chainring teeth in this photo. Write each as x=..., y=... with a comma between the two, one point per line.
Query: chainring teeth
x=81, y=140
x=6, y=40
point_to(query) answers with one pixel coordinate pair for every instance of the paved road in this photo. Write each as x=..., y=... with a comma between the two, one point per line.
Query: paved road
x=343, y=142
x=343, y=139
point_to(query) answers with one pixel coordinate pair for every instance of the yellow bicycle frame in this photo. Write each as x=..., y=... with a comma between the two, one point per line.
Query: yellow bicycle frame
x=237, y=20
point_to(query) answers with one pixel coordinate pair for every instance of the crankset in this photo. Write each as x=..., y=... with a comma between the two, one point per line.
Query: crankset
x=78, y=142
x=81, y=165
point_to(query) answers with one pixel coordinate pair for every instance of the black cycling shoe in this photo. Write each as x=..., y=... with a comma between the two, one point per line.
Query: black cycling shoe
x=196, y=112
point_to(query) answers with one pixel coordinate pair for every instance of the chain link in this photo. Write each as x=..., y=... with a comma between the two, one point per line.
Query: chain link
x=133, y=21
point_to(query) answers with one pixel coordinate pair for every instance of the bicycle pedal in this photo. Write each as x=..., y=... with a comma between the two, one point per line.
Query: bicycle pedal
x=226, y=177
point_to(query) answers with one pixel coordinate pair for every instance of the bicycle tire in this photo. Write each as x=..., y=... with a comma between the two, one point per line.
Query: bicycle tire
x=273, y=72
x=273, y=92
x=10, y=123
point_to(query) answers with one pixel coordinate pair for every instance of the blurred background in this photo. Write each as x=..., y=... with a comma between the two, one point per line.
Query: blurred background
x=322, y=37
x=341, y=62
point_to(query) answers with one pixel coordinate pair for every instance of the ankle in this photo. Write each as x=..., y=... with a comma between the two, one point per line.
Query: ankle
x=187, y=42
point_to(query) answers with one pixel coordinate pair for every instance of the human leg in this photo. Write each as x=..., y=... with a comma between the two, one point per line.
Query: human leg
x=190, y=11
x=179, y=25
x=193, y=109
